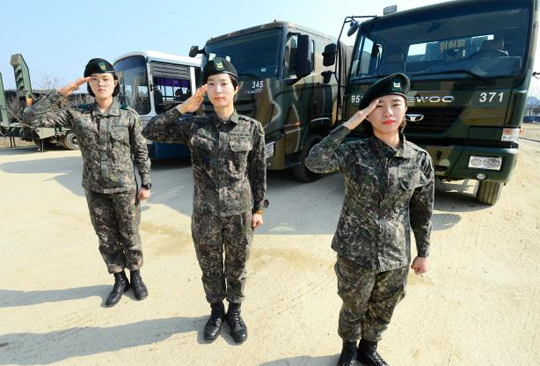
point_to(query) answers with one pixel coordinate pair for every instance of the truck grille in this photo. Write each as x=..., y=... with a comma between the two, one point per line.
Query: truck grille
x=436, y=120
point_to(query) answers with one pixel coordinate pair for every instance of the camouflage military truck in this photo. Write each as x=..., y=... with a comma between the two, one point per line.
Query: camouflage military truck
x=470, y=64
x=23, y=95
x=280, y=66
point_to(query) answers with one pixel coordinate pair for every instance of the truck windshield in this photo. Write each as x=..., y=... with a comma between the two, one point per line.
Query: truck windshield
x=133, y=81
x=254, y=55
x=484, y=40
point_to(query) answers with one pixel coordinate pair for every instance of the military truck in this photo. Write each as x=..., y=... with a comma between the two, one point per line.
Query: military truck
x=470, y=64
x=279, y=66
x=23, y=96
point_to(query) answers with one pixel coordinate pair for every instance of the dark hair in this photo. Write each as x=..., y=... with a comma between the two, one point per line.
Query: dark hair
x=116, y=88
x=234, y=80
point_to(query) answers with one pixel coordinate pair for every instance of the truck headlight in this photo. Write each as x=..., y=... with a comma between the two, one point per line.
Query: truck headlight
x=510, y=134
x=485, y=162
x=270, y=149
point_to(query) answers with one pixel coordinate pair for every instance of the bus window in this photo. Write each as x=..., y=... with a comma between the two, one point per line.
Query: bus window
x=133, y=82
x=171, y=92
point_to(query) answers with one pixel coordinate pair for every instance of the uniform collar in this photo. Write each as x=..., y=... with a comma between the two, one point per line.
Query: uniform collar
x=405, y=151
x=114, y=109
x=233, y=119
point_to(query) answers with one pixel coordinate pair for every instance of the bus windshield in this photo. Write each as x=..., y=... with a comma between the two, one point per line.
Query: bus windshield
x=133, y=81
x=254, y=55
x=483, y=40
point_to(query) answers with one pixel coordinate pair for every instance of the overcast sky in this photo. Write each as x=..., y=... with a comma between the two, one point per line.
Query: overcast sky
x=58, y=37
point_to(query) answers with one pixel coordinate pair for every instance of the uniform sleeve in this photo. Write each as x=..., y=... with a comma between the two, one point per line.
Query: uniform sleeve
x=48, y=112
x=324, y=157
x=139, y=150
x=170, y=127
x=257, y=168
x=421, y=208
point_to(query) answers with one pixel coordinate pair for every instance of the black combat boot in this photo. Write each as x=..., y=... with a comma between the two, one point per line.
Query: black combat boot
x=238, y=327
x=139, y=289
x=121, y=285
x=348, y=354
x=368, y=355
x=212, y=329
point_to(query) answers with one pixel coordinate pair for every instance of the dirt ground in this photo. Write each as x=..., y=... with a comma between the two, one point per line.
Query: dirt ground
x=479, y=304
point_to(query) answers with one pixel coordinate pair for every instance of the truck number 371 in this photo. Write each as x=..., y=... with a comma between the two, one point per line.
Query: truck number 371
x=488, y=97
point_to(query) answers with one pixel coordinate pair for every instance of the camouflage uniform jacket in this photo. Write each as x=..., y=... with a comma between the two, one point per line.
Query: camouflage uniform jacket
x=387, y=192
x=110, y=142
x=227, y=157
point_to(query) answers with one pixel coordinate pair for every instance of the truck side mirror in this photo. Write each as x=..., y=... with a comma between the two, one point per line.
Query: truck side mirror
x=353, y=28
x=193, y=51
x=303, y=56
x=326, y=76
x=330, y=54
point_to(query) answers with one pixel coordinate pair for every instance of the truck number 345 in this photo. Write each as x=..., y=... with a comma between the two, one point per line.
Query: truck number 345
x=488, y=97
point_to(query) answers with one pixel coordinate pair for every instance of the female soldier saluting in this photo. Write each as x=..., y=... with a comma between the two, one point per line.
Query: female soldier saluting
x=109, y=135
x=229, y=169
x=389, y=188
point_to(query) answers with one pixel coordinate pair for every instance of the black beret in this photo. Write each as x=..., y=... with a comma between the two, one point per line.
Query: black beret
x=218, y=65
x=100, y=66
x=97, y=66
x=392, y=84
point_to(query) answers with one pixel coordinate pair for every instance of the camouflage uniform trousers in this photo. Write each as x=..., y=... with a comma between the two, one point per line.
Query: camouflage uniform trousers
x=116, y=219
x=212, y=235
x=369, y=299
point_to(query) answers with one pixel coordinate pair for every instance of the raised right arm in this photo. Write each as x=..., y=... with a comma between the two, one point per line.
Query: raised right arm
x=168, y=127
x=49, y=111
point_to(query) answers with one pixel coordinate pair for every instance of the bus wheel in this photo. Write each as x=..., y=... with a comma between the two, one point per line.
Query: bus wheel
x=70, y=141
x=488, y=192
x=300, y=171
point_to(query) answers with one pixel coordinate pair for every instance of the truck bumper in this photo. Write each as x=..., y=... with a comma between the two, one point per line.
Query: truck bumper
x=452, y=162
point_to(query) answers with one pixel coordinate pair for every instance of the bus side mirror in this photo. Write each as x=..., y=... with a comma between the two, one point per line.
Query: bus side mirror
x=303, y=56
x=329, y=54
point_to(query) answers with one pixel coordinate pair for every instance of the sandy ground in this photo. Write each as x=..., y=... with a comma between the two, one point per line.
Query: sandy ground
x=479, y=305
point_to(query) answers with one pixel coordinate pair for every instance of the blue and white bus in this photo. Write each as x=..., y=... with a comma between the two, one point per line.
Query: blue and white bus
x=152, y=82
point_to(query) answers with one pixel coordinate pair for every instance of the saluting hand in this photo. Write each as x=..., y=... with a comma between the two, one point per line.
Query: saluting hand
x=71, y=87
x=361, y=115
x=193, y=103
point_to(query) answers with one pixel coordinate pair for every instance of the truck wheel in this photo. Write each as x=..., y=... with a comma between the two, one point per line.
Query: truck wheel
x=488, y=192
x=70, y=141
x=300, y=171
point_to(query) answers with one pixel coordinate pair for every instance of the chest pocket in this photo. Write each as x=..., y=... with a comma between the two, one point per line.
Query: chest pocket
x=240, y=145
x=120, y=134
x=364, y=175
x=409, y=177
x=202, y=142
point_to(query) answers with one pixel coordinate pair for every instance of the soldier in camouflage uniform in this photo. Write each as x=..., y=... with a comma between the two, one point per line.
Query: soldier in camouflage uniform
x=229, y=168
x=389, y=188
x=111, y=143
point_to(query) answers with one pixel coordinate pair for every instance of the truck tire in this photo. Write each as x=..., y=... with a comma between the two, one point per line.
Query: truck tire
x=300, y=171
x=69, y=141
x=488, y=192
